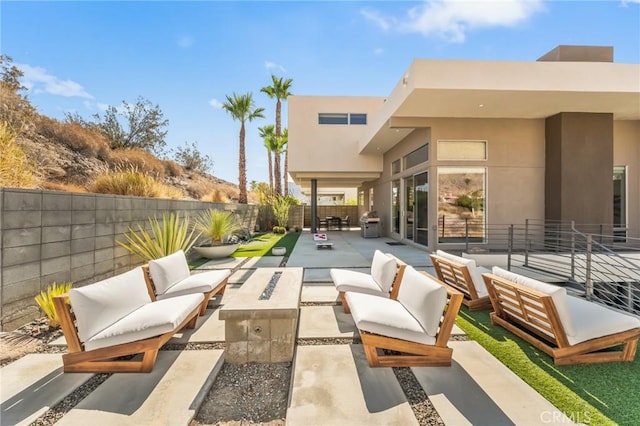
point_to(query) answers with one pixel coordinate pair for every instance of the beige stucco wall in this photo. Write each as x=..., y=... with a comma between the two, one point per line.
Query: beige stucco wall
x=515, y=167
x=626, y=152
x=329, y=148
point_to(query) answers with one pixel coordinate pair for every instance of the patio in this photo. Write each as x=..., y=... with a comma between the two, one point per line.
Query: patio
x=331, y=383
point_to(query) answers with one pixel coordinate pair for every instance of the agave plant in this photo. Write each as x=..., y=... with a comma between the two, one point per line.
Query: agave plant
x=165, y=238
x=45, y=301
x=218, y=225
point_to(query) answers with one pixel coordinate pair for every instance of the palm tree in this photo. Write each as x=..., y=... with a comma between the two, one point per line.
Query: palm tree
x=280, y=91
x=242, y=109
x=266, y=133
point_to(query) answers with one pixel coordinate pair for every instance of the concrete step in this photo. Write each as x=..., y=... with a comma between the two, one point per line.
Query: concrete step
x=479, y=390
x=32, y=385
x=169, y=395
x=333, y=385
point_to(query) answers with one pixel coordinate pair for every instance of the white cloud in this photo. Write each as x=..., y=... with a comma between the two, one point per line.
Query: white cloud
x=378, y=51
x=185, y=41
x=375, y=17
x=102, y=106
x=624, y=2
x=38, y=80
x=452, y=19
x=215, y=103
x=271, y=65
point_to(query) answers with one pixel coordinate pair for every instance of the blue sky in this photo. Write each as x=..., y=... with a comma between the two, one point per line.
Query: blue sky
x=186, y=56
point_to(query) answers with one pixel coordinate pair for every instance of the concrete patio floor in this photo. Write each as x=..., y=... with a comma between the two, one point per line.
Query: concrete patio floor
x=331, y=383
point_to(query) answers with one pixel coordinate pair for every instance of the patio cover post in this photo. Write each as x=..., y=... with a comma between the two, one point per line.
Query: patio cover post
x=314, y=206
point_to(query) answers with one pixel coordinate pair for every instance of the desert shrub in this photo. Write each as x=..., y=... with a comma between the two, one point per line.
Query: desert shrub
x=163, y=239
x=218, y=225
x=192, y=159
x=171, y=168
x=15, y=168
x=279, y=230
x=199, y=188
x=168, y=191
x=216, y=196
x=45, y=301
x=127, y=182
x=66, y=187
x=86, y=140
x=139, y=159
x=15, y=109
x=280, y=206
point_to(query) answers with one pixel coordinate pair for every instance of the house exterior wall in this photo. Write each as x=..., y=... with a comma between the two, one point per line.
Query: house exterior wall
x=329, y=147
x=515, y=168
x=626, y=152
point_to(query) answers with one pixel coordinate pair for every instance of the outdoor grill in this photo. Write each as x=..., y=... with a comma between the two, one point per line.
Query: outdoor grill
x=370, y=225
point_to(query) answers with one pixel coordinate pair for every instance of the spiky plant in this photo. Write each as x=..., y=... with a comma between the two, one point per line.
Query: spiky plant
x=165, y=238
x=218, y=225
x=45, y=301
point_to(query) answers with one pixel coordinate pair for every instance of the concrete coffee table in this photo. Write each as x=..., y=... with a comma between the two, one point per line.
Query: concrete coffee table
x=262, y=317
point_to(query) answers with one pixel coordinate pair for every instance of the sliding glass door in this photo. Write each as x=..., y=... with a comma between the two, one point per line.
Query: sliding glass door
x=416, y=226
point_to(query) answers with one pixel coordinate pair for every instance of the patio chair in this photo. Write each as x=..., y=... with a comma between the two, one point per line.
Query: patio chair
x=169, y=276
x=116, y=317
x=463, y=275
x=417, y=325
x=384, y=279
x=344, y=222
x=321, y=223
x=569, y=329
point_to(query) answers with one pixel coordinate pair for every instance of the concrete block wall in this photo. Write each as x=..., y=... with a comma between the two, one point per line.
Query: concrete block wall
x=51, y=236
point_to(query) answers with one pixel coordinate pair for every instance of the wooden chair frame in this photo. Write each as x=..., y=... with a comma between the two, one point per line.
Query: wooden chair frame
x=103, y=360
x=532, y=316
x=457, y=276
x=217, y=290
x=412, y=354
x=395, y=286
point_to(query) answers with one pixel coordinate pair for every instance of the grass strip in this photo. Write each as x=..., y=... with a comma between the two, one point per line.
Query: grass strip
x=595, y=394
x=288, y=241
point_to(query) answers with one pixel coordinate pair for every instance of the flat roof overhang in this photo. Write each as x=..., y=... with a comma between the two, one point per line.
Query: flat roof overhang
x=480, y=89
x=333, y=179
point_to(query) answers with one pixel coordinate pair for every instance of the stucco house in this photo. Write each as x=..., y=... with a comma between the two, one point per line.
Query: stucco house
x=472, y=143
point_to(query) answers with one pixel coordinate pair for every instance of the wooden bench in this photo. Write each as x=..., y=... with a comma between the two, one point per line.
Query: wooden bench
x=170, y=276
x=569, y=329
x=417, y=325
x=384, y=279
x=116, y=318
x=463, y=275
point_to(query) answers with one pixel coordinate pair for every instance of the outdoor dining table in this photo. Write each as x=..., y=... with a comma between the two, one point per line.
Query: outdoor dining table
x=335, y=222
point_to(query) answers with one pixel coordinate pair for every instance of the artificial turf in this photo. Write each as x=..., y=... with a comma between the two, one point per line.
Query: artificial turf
x=594, y=394
x=261, y=245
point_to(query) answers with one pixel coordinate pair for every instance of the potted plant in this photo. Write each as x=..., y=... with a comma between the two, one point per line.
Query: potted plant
x=218, y=226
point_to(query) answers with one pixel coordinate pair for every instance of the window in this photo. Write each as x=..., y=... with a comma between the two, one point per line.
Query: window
x=324, y=118
x=462, y=150
x=357, y=118
x=416, y=157
x=370, y=199
x=461, y=204
x=620, y=202
x=342, y=118
x=395, y=167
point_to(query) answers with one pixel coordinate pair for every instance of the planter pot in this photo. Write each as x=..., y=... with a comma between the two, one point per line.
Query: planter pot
x=279, y=251
x=216, y=252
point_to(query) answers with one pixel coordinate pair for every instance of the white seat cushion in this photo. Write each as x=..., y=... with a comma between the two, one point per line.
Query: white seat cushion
x=197, y=283
x=557, y=293
x=386, y=317
x=168, y=271
x=596, y=320
x=383, y=270
x=149, y=320
x=424, y=298
x=97, y=306
x=346, y=280
x=476, y=275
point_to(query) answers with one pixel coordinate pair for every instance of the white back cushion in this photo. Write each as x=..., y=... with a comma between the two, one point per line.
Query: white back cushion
x=99, y=305
x=168, y=271
x=424, y=298
x=476, y=276
x=383, y=270
x=558, y=294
